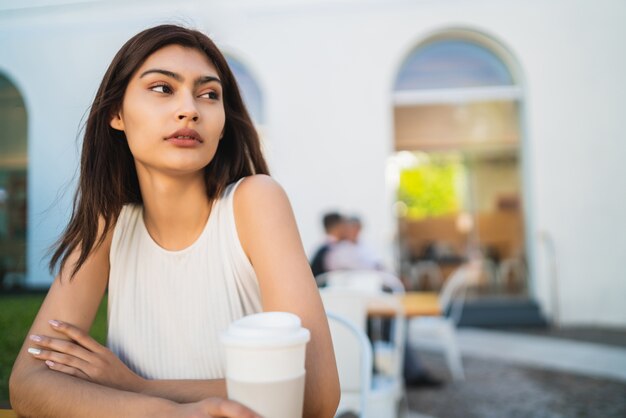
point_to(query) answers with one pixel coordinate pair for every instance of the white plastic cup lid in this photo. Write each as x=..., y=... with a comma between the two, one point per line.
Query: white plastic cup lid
x=266, y=329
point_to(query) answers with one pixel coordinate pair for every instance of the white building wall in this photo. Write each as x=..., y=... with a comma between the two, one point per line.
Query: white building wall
x=326, y=70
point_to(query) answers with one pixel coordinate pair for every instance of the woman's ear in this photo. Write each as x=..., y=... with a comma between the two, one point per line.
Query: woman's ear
x=117, y=122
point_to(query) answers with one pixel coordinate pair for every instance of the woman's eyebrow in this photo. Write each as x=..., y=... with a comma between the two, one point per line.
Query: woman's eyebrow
x=200, y=80
x=206, y=79
x=170, y=74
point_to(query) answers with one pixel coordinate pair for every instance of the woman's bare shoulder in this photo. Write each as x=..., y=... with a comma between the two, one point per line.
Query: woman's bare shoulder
x=261, y=207
x=258, y=184
x=258, y=191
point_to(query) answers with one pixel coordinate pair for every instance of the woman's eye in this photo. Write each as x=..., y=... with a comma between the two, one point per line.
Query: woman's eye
x=161, y=88
x=213, y=95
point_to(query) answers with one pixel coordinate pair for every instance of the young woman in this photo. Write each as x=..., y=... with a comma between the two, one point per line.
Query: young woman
x=176, y=215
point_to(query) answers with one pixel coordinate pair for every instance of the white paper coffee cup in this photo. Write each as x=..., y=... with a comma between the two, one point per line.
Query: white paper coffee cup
x=265, y=356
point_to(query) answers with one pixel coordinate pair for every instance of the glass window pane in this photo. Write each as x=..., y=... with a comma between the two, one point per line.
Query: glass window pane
x=452, y=64
x=470, y=125
x=456, y=202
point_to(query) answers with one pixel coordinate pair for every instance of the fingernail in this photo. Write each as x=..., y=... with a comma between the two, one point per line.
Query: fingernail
x=50, y=363
x=54, y=323
x=35, y=338
x=35, y=351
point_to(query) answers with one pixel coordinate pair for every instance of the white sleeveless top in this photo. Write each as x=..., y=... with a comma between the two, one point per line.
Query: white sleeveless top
x=167, y=308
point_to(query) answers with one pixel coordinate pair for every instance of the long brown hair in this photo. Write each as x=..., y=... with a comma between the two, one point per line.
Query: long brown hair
x=108, y=178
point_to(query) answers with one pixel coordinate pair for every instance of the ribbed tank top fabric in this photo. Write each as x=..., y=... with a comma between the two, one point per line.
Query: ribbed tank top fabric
x=166, y=309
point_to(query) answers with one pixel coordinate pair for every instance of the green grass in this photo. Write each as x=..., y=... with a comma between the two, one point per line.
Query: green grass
x=17, y=313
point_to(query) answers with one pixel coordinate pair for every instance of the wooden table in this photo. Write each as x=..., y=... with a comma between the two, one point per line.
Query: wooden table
x=7, y=413
x=414, y=303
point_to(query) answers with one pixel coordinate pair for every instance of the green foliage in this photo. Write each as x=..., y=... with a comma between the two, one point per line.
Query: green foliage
x=17, y=313
x=431, y=189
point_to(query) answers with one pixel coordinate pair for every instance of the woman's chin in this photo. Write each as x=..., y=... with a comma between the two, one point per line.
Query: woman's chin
x=173, y=168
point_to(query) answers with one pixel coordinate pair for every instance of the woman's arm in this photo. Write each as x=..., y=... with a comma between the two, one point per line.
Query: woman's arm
x=34, y=389
x=85, y=358
x=38, y=390
x=269, y=235
x=185, y=390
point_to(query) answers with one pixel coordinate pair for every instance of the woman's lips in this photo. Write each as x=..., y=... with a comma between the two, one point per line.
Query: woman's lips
x=184, y=141
x=185, y=138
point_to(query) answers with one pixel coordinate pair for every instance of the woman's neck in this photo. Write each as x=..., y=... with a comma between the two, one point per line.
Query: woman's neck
x=175, y=209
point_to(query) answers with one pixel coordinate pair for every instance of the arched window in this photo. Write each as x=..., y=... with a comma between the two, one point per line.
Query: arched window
x=13, y=170
x=250, y=90
x=457, y=135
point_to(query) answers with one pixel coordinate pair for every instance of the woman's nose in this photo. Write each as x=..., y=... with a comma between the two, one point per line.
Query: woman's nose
x=188, y=115
x=187, y=109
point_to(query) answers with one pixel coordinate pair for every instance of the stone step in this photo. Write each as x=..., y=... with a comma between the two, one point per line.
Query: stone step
x=501, y=312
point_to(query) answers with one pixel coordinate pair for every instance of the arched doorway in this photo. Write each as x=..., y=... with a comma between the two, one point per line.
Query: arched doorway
x=458, y=162
x=13, y=177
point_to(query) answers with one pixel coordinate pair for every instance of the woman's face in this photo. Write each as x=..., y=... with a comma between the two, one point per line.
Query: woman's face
x=172, y=112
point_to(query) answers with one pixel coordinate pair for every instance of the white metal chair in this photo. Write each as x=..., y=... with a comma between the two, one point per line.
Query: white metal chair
x=511, y=273
x=389, y=357
x=439, y=333
x=353, y=352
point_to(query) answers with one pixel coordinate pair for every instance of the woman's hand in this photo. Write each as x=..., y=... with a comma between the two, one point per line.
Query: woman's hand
x=83, y=357
x=212, y=408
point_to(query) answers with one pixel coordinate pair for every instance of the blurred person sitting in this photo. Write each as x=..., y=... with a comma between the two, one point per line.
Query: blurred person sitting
x=350, y=253
x=335, y=227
